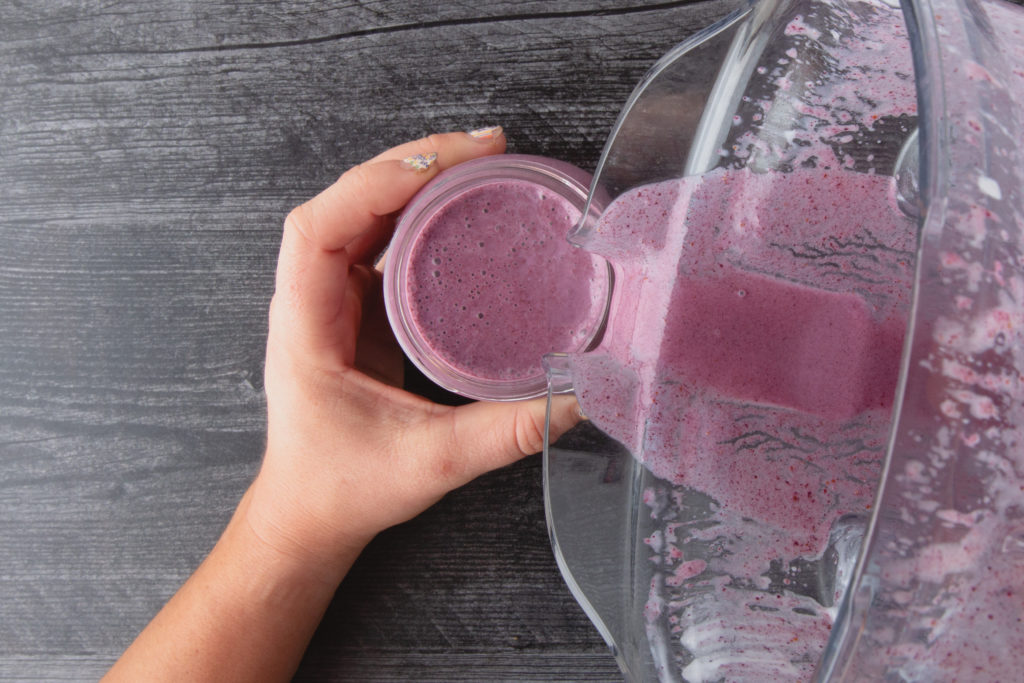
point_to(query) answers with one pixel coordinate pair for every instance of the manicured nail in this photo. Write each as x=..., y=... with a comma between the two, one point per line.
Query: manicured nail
x=486, y=134
x=419, y=162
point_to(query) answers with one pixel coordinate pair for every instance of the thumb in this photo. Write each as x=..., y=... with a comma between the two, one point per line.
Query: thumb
x=492, y=435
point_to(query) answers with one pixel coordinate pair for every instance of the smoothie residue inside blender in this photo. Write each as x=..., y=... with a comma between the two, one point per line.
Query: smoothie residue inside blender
x=754, y=344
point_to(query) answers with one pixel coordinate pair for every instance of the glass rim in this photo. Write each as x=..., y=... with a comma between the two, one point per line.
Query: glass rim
x=566, y=180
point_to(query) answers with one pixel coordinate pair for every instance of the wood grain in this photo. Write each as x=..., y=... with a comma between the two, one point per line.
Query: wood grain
x=148, y=153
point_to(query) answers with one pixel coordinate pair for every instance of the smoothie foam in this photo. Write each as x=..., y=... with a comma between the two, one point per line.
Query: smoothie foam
x=493, y=283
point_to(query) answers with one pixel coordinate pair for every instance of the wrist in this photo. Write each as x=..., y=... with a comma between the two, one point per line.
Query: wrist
x=279, y=532
x=247, y=613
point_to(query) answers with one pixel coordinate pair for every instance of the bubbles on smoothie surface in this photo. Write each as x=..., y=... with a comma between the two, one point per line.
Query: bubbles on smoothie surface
x=496, y=261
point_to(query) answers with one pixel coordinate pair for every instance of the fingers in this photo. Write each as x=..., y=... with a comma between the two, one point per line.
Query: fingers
x=377, y=353
x=360, y=282
x=451, y=148
x=357, y=202
x=492, y=435
x=307, y=312
x=345, y=226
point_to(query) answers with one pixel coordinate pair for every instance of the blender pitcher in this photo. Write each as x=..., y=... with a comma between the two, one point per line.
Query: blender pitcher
x=804, y=456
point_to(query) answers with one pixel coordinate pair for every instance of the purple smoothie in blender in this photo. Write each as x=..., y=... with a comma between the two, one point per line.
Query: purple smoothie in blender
x=803, y=458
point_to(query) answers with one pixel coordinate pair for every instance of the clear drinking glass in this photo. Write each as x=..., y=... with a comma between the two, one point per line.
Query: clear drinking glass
x=484, y=245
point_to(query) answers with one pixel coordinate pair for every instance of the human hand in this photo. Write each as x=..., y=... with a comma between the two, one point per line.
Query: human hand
x=350, y=454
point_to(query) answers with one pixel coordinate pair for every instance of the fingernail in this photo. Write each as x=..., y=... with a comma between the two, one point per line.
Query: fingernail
x=487, y=134
x=419, y=162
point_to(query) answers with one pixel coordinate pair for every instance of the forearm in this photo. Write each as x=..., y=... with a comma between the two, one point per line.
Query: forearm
x=246, y=614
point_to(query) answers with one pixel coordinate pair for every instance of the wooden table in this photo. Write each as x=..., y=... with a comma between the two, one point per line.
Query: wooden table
x=148, y=154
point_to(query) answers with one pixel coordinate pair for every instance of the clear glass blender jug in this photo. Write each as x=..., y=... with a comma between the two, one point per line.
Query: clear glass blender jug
x=749, y=506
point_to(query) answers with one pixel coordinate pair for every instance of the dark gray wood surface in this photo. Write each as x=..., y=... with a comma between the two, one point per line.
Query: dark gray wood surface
x=148, y=154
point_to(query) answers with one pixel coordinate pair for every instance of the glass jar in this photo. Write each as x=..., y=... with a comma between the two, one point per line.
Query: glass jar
x=481, y=281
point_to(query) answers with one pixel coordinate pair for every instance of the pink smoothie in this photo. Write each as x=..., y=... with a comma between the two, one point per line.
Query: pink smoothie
x=493, y=283
x=752, y=355
x=773, y=295
x=763, y=340
x=950, y=573
x=751, y=358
